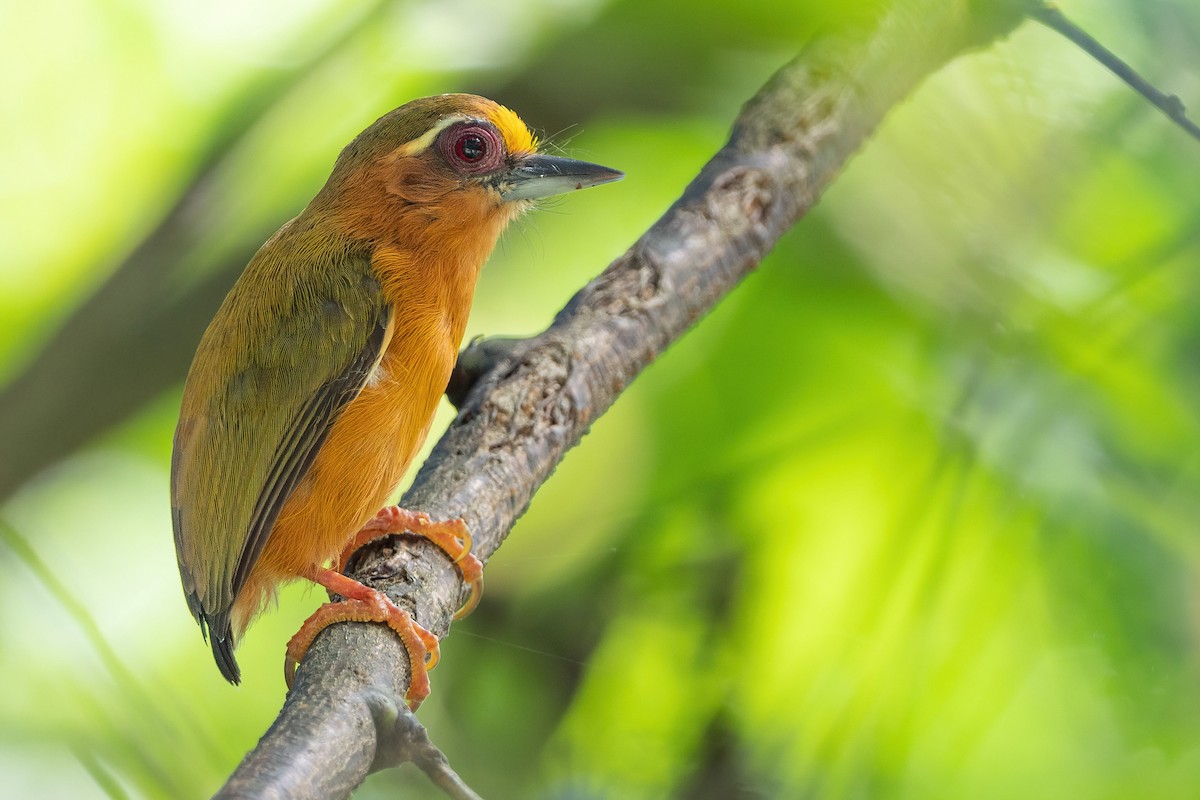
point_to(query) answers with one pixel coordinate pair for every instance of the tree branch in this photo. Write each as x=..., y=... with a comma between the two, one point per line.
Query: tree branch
x=538, y=397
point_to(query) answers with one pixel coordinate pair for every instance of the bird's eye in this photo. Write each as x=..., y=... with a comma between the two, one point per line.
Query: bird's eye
x=470, y=147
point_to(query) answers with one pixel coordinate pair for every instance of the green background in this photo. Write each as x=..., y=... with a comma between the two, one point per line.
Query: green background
x=913, y=514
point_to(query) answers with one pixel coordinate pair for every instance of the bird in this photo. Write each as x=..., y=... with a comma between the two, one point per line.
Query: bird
x=316, y=383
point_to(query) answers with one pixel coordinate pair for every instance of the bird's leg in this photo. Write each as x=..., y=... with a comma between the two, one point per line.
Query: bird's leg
x=364, y=604
x=450, y=535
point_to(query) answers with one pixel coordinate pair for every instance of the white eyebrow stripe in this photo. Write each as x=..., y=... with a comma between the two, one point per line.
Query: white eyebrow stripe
x=422, y=142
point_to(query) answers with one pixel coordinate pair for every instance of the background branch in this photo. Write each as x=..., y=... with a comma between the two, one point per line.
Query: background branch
x=1169, y=104
x=144, y=307
x=519, y=420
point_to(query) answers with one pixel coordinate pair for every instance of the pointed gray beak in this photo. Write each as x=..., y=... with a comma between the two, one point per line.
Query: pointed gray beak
x=544, y=176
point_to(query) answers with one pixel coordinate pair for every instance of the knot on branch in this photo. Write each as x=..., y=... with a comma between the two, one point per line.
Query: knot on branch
x=741, y=198
x=535, y=398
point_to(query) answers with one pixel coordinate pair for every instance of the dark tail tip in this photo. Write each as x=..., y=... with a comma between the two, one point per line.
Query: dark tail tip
x=220, y=635
x=222, y=647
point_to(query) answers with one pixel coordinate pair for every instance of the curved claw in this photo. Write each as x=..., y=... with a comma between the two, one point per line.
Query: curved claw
x=476, y=585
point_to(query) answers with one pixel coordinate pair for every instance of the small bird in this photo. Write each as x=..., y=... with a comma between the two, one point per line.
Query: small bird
x=317, y=381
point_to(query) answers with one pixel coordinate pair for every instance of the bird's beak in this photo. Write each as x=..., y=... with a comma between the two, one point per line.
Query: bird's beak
x=535, y=176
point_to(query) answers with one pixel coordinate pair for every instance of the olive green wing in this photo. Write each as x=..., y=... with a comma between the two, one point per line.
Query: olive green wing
x=288, y=350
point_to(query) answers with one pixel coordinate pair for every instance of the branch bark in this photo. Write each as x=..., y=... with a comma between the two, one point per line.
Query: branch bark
x=535, y=399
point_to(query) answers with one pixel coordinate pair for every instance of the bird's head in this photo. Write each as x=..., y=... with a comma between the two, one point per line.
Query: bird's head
x=455, y=155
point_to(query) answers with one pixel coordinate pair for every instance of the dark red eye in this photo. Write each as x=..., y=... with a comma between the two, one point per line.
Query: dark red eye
x=470, y=147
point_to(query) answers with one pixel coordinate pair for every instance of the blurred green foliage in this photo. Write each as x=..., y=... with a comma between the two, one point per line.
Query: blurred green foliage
x=913, y=514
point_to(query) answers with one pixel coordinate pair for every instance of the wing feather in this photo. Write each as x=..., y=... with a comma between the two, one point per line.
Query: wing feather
x=293, y=344
x=306, y=434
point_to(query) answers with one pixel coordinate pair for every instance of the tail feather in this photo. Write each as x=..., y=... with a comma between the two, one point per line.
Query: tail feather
x=222, y=647
x=216, y=630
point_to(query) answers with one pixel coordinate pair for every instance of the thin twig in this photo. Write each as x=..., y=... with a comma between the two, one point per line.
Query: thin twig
x=1169, y=104
x=431, y=760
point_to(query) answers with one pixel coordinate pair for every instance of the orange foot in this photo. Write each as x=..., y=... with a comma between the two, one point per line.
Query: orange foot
x=450, y=535
x=364, y=604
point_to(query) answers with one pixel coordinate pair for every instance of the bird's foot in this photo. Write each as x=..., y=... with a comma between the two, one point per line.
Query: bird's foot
x=364, y=604
x=451, y=536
